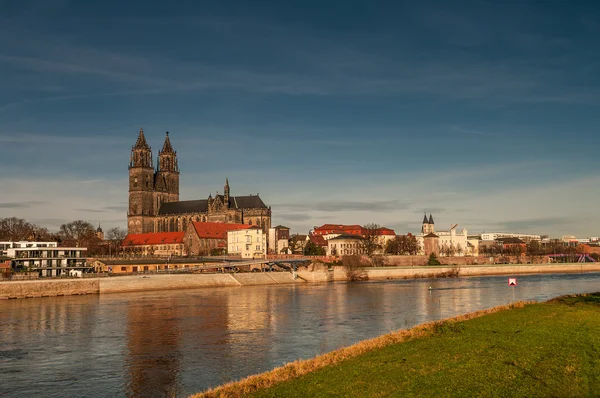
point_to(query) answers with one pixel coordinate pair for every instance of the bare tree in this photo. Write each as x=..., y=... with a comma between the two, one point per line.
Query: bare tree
x=115, y=237
x=79, y=233
x=403, y=245
x=16, y=229
x=370, y=243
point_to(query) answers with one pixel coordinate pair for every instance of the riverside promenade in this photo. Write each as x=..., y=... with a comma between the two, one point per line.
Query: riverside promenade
x=310, y=274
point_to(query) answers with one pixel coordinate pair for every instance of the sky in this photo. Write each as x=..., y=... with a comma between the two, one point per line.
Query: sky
x=483, y=113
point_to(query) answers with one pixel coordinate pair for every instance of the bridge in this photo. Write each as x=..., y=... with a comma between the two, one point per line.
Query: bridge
x=581, y=257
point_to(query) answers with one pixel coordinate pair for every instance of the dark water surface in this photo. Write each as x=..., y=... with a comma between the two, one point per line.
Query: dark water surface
x=176, y=343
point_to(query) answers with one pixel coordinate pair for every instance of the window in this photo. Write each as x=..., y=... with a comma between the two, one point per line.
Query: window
x=124, y=269
x=258, y=247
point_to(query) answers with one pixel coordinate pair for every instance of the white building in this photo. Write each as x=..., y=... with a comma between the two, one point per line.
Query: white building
x=449, y=242
x=44, y=257
x=247, y=243
x=279, y=237
x=498, y=235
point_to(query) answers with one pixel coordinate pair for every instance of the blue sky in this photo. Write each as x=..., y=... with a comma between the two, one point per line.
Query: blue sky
x=484, y=113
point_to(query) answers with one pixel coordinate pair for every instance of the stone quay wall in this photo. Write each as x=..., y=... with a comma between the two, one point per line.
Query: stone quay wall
x=311, y=274
x=137, y=283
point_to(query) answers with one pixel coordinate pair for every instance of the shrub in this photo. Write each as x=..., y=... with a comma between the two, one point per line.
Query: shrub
x=354, y=267
x=433, y=260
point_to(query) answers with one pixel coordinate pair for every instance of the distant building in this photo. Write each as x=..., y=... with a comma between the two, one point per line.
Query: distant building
x=518, y=245
x=345, y=245
x=99, y=233
x=381, y=235
x=449, y=242
x=297, y=243
x=45, y=258
x=278, y=239
x=319, y=241
x=247, y=243
x=154, y=204
x=159, y=244
x=497, y=235
x=205, y=238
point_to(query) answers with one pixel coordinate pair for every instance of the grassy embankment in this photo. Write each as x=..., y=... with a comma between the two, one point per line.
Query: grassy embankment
x=529, y=350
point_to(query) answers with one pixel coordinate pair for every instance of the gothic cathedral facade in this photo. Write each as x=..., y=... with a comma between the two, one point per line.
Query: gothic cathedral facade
x=154, y=204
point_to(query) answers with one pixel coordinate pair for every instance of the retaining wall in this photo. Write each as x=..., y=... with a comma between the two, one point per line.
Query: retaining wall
x=312, y=274
x=48, y=288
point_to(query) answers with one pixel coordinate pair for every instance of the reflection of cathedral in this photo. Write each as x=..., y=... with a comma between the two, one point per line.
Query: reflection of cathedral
x=154, y=204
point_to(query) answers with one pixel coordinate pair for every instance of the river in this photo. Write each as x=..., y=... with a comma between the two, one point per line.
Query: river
x=175, y=343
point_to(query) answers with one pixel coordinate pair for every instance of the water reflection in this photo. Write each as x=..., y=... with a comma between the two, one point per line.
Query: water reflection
x=176, y=343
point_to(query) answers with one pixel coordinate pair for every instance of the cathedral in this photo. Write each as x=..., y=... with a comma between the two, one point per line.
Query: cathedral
x=154, y=204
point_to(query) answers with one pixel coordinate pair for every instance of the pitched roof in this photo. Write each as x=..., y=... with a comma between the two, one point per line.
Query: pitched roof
x=216, y=230
x=318, y=240
x=431, y=219
x=347, y=236
x=338, y=227
x=298, y=237
x=431, y=235
x=153, y=238
x=425, y=219
x=348, y=229
x=184, y=206
x=201, y=205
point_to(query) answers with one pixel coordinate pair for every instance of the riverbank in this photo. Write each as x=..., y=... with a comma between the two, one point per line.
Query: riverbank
x=535, y=349
x=310, y=274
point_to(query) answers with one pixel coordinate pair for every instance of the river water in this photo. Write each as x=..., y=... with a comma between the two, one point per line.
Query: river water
x=175, y=343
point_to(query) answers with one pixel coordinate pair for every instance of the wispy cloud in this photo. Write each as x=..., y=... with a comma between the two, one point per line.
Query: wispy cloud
x=344, y=205
x=21, y=205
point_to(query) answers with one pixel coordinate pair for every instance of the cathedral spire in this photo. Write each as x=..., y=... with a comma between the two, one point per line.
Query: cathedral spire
x=425, y=219
x=167, y=148
x=141, y=141
x=141, y=153
x=226, y=193
x=430, y=219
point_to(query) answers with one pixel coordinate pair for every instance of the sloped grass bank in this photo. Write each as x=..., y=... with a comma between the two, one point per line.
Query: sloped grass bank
x=534, y=350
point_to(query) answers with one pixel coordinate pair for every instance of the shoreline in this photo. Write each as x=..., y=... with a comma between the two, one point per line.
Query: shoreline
x=312, y=274
x=298, y=368
x=460, y=344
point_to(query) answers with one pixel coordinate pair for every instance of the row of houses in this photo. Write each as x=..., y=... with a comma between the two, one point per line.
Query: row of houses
x=200, y=239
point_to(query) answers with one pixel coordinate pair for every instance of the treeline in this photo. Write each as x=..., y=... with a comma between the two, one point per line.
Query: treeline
x=77, y=233
x=534, y=249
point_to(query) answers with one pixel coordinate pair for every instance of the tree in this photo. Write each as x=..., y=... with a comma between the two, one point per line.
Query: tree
x=403, y=245
x=311, y=249
x=16, y=229
x=433, y=260
x=533, y=250
x=354, y=268
x=371, y=236
x=115, y=237
x=81, y=234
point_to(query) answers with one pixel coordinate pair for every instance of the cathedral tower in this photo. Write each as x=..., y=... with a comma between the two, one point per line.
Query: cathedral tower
x=166, y=179
x=428, y=225
x=141, y=187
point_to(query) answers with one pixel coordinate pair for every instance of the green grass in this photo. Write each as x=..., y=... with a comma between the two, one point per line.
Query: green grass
x=539, y=350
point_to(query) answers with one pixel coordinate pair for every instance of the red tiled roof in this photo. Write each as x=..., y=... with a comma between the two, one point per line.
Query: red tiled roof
x=354, y=228
x=318, y=240
x=216, y=230
x=153, y=238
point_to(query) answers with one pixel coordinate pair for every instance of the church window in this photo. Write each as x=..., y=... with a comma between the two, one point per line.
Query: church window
x=250, y=222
